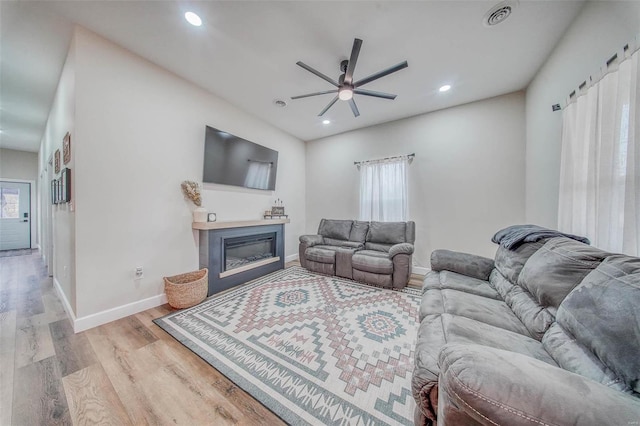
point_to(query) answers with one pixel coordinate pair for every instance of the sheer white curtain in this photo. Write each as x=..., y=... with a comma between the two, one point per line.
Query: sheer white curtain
x=600, y=162
x=383, y=190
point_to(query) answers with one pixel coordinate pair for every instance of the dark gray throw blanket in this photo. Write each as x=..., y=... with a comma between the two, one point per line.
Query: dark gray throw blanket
x=513, y=236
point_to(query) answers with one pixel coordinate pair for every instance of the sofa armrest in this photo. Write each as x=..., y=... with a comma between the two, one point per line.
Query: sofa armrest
x=311, y=240
x=484, y=385
x=463, y=263
x=402, y=248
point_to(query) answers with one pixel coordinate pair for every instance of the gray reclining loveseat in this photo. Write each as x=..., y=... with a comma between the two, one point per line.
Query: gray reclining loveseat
x=378, y=253
x=547, y=333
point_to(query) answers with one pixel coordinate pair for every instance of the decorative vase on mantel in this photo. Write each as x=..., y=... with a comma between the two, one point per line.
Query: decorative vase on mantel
x=200, y=214
x=191, y=190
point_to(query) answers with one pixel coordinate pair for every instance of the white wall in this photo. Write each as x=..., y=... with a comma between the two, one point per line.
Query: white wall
x=139, y=133
x=23, y=166
x=601, y=29
x=58, y=221
x=19, y=165
x=465, y=183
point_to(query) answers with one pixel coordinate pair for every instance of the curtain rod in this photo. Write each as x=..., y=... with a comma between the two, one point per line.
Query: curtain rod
x=624, y=53
x=409, y=156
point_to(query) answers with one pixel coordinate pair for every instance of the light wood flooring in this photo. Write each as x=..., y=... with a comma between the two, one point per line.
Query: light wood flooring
x=127, y=372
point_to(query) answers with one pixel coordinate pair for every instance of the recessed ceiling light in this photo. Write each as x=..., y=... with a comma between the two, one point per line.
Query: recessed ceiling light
x=280, y=103
x=193, y=19
x=326, y=121
x=445, y=88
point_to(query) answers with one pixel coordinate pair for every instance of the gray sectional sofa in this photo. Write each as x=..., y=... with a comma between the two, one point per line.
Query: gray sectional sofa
x=378, y=253
x=546, y=333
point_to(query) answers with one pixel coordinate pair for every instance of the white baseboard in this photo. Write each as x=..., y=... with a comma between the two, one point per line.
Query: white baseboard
x=65, y=302
x=291, y=258
x=94, y=320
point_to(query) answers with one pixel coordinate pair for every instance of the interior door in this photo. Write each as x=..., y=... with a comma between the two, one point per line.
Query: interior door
x=15, y=208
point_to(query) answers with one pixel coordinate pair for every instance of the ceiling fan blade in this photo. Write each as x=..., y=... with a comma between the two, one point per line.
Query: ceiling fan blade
x=374, y=94
x=318, y=73
x=355, y=51
x=380, y=74
x=328, y=106
x=315, y=94
x=354, y=108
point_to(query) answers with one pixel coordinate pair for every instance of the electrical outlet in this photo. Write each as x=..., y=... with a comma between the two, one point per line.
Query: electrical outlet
x=138, y=272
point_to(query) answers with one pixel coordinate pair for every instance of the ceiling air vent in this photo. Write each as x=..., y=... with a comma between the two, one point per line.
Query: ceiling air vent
x=498, y=13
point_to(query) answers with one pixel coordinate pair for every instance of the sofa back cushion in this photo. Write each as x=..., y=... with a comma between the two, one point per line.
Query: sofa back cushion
x=359, y=231
x=336, y=229
x=509, y=262
x=603, y=315
x=556, y=268
x=391, y=232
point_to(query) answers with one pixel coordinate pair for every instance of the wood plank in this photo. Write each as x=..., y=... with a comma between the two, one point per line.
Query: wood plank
x=92, y=399
x=38, y=396
x=119, y=337
x=30, y=303
x=7, y=356
x=33, y=343
x=73, y=351
x=157, y=387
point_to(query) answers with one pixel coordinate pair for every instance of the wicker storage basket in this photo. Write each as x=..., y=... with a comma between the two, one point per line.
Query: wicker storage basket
x=186, y=290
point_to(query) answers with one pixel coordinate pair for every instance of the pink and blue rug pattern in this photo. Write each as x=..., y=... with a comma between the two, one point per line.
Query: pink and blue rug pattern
x=313, y=349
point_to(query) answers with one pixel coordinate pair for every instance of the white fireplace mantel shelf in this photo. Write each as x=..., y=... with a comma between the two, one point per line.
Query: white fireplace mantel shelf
x=237, y=223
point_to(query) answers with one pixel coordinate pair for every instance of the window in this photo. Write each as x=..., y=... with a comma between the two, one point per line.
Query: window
x=383, y=190
x=600, y=165
x=10, y=202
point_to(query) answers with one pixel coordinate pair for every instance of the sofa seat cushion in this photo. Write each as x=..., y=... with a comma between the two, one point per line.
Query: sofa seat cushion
x=372, y=261
x=435, y=331
x=321, y=254
x=454, y=281
x=489, y=311
x=572, y=356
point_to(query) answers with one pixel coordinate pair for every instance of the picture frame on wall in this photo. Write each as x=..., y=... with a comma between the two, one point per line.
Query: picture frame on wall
x=66, y=148
x=59, y=190
x=54, y=191
x=65, y=183
x=56, y=158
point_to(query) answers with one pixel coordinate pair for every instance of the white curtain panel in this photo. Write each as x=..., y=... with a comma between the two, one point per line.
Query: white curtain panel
x=600, y=162
x=383, y=190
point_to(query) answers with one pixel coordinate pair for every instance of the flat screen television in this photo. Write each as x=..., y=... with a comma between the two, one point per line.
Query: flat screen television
x=231, y=160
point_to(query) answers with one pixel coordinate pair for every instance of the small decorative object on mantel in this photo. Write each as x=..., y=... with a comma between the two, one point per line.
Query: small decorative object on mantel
x=192, y=191
x=277, y=211
x=66, y=148
x=211, y=217
x=278, y=208
x=56, y=158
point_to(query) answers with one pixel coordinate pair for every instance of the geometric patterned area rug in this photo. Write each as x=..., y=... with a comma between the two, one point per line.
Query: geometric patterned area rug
x=314, y=349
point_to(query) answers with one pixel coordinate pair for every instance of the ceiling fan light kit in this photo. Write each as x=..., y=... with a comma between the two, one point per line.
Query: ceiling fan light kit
x=346, y=88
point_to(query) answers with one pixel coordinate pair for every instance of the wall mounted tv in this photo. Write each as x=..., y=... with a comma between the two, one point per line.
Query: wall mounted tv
x=230, y=160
